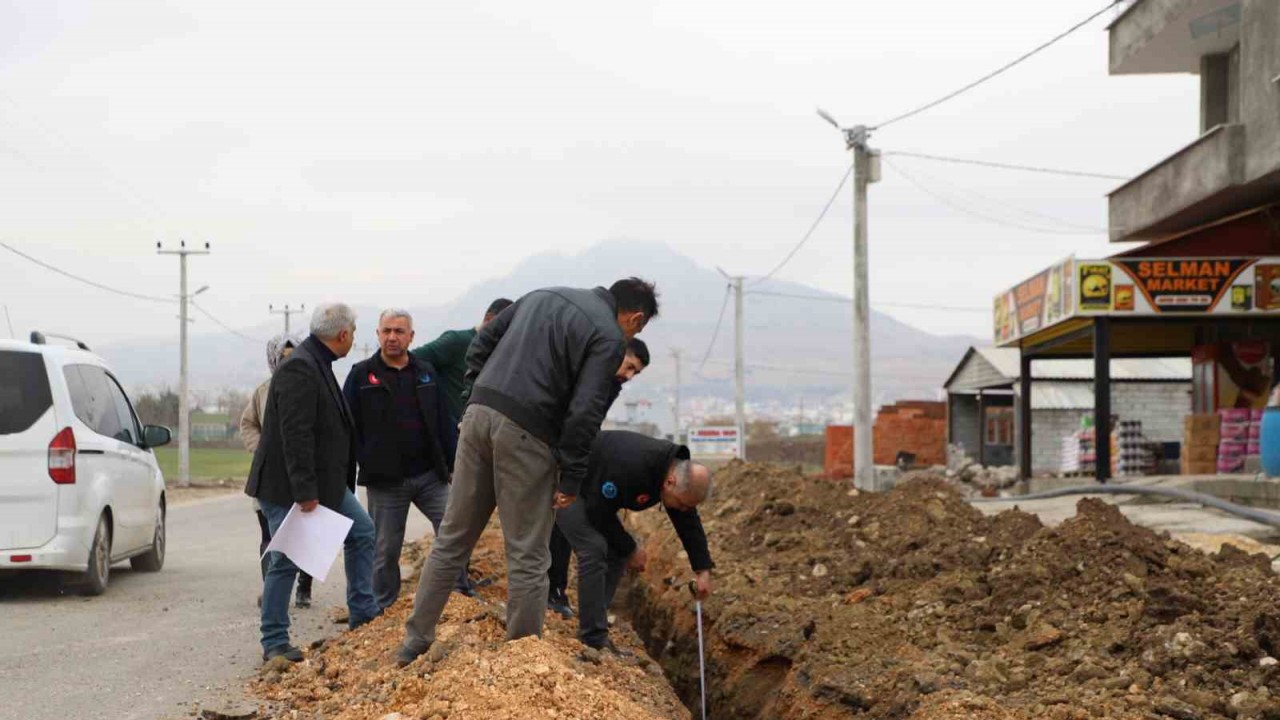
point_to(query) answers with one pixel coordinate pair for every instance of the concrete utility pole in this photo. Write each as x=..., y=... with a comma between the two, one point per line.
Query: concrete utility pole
x=287, y=312
x=866, y=170
x=739, y=368
x=739, y=364
x=184, y=389
x=675, y=405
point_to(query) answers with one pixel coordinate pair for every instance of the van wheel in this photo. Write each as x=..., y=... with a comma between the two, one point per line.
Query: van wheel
x=153, y=559
x=94, y=580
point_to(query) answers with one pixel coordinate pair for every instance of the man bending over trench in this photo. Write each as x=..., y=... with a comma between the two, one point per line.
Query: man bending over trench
x=629, y=471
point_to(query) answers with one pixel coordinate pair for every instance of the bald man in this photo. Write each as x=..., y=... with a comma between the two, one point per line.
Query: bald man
x=630, y=471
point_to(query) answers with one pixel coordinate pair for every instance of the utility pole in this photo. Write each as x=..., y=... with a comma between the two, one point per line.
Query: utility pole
x=866, y=170
x=184, y=405
x=675, y=406
x=739, y=365
x=287, y=312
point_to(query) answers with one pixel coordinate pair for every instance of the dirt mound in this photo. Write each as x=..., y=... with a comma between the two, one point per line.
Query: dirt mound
x=470, y=672
x=912, y=604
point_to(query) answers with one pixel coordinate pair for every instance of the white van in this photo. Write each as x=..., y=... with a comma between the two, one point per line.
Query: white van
x=79, y=486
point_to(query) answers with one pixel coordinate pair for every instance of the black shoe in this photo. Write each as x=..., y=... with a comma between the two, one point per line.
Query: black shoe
x=406, y=655
x=559, y=604
x=288, y=652
x=609, y=647
x=468, y=591
x=303, y=599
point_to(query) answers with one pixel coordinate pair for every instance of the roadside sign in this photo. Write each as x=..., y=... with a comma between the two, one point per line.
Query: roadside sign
x=714, y=442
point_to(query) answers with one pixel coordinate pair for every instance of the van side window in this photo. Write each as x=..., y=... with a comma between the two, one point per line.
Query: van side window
x=91, y=399
x=129, y=430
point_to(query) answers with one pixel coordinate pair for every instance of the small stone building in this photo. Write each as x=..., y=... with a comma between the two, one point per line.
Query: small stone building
x=980, y=403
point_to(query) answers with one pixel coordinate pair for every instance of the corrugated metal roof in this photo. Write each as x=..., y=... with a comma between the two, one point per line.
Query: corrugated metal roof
x=1006, y=361
x=1058, y=395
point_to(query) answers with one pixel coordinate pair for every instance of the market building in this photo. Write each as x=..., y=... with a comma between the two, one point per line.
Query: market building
x=1205, y=284
x=982, y=393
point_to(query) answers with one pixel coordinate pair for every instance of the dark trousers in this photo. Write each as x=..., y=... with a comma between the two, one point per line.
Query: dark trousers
x=599, y=572
x=304, y=580
x=389, y=507
x=559, y=572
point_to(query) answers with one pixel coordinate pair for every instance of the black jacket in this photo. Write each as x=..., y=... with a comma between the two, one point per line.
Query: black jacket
x=548, y=362
x=368, y=394
x=626, y=472
x=307, y=450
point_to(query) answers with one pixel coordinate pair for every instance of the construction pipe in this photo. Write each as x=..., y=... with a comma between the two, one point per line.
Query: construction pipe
x=1259, y=516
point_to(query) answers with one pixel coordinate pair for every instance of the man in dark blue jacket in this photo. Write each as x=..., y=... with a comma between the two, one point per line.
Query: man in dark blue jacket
x=406, y=439
x=630, y=471
x=541, y=374
x=557, y=598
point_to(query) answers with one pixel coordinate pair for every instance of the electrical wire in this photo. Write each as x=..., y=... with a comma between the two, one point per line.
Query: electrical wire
x=849, y=301
x=716, y=333
x=981, y=216
x=224, y=326
x=86, y=281
x=831, y=201
x=1032, y=215
x=998, y=71
x=1004, y=166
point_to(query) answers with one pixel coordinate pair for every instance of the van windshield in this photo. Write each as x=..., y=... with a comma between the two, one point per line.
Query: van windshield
x=24, y=390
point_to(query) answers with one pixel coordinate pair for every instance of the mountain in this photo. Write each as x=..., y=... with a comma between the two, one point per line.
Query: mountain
x=792, y=346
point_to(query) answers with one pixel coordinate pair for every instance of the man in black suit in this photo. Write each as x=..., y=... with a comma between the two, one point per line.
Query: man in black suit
x=307, y=456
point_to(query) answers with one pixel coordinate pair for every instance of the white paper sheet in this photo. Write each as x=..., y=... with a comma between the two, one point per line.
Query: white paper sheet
x=311, y=540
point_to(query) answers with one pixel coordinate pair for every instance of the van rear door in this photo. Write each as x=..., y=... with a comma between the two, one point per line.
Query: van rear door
x=28, y=495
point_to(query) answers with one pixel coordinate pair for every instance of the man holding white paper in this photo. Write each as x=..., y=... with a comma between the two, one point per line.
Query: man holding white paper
x=307, y=457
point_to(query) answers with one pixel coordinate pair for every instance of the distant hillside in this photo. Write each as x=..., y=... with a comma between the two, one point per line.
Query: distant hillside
x=791, y=345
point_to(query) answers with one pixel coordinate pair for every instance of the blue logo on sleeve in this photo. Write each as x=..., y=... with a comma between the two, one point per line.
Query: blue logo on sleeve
x=426, y=378
x=609, y=490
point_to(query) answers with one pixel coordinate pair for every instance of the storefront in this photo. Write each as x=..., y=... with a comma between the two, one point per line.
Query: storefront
x=1211, y=294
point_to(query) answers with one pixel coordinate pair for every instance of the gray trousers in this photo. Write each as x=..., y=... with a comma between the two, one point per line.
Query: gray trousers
x=389, y=507
x=499, y=465
x=599, y=572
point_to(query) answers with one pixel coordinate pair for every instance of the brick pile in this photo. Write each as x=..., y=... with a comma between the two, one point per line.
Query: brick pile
x=915, y=426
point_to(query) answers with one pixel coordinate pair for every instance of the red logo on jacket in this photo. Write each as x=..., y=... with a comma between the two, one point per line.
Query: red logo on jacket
x=642, y=499
x=373, y=379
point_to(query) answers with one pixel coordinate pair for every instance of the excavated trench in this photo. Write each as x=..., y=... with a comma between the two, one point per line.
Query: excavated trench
x=912, y=605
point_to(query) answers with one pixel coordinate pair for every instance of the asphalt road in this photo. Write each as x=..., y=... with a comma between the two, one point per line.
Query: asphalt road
x=155, y=645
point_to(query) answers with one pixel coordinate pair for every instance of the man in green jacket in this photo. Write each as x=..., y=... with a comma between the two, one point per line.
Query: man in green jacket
x=448, y=354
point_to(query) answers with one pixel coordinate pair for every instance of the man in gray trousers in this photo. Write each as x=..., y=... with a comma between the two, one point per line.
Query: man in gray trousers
x=541, y=374
x=406, y=438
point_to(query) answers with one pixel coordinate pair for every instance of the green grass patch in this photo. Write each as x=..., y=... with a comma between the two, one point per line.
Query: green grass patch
x=206, y=463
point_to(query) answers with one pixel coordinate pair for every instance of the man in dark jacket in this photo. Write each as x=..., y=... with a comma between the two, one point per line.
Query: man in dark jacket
x=636, y=361
x=541, y=372
x=307, y=456
x=406, y=438
x=630, y=471
x=448, y=353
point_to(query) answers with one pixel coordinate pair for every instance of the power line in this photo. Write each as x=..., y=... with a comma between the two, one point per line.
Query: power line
x=715, y=334
x=999, y=71
x=224, y=326
x=86, y=281
x=980, y=215
x=1006, y=166
x=848, y=301
x=1034, y=215
x=831, y=201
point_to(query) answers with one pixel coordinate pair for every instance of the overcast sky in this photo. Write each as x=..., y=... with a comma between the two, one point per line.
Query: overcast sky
x=396, y=152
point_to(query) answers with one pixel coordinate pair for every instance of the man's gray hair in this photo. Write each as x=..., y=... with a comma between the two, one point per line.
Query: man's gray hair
x=393, y=313
x=329, y=319
x=685, y=485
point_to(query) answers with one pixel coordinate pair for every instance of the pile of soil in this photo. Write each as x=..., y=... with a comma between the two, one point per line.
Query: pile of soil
x=470, y=672
x=912, y=604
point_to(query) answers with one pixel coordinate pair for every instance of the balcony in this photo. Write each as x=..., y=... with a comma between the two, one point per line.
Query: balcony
x=1170, y=36
x=1189, y=189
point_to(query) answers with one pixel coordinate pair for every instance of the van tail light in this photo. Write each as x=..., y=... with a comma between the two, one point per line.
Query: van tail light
x=62, y=458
